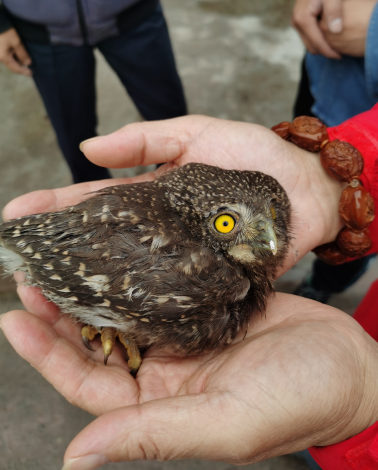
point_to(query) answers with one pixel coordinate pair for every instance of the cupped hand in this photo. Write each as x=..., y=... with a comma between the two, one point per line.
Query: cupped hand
x=231, y=145
x=356, y=17
x=304, y=375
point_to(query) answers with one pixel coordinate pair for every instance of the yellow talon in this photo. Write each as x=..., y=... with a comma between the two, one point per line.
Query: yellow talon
x=108, y=337
x=88, y=333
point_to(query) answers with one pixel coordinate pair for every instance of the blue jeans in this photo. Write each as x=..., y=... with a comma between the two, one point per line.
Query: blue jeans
x=65, y=77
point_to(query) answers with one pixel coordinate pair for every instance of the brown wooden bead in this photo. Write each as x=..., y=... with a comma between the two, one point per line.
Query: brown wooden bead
x=308, y=133
x=341, y=160
x=356, y=207
x=282, y=129
x=330, y=253
x=352, y=243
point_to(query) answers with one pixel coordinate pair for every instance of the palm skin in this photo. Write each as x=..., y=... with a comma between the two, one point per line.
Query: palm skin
x=304, y=375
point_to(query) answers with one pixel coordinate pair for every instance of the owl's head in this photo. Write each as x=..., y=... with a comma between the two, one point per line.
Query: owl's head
x=245, y=214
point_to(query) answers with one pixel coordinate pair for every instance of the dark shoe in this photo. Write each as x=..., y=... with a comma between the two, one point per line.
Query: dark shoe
x=306, y=290
x=306, y=457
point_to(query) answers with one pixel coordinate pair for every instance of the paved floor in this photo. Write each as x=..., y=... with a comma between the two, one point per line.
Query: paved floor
x=238, y=60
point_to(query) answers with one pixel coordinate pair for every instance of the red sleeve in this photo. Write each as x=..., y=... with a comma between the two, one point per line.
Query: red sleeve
x=362, y=132
x=360, y=452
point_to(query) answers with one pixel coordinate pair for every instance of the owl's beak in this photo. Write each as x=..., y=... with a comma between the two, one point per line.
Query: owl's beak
x=267, y=239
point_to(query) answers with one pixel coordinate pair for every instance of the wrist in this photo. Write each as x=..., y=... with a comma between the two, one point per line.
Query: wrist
x=326, y=192
x=344, y=163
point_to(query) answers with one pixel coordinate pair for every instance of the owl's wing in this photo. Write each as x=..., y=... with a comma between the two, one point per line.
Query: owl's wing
x=98, y=258
x=80, y=253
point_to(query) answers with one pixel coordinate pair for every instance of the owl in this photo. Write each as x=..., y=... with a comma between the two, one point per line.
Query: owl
x=181, y=262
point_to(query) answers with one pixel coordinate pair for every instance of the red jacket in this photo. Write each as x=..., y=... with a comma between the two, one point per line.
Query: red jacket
x=360, y=452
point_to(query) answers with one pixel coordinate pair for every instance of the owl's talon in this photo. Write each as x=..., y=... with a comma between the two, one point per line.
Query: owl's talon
x=86, y=343
x=108, y=337
x=135, y=359
x=88, y=333
x=134, y=372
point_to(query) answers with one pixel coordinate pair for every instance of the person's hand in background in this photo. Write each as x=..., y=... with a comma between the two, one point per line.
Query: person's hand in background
x=356, y=18
x=13, y=53
x=305, y=19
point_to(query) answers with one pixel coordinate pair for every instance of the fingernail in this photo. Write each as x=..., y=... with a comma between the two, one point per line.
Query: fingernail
x=336, y=25
x=89, y=462
x=85, y=141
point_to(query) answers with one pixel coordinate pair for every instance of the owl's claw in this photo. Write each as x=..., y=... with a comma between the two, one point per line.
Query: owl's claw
x=86, y=343
x=108, y=338
x=88, y=333
x=135, y=360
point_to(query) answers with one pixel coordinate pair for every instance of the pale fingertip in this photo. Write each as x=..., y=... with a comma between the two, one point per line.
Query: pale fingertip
x=81, y=146
x=88, y=462
x=335, y=26
x=1, y=316
x=3, y=213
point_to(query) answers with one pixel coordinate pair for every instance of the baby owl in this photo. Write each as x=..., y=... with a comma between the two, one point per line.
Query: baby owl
x=181, y=262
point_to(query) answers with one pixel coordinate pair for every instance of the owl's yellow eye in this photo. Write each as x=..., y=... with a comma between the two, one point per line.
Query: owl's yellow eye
x=224, y=223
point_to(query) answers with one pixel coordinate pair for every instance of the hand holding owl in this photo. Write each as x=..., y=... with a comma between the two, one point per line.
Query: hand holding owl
x=304, y=376
x=265, y=369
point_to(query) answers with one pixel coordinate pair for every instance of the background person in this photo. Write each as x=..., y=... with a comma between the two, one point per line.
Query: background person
x=339, y=79
x=55, y=44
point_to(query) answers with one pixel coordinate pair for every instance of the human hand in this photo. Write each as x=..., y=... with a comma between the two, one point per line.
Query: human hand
x=232, y=145
x=53, y=345
x=356, y=19
x=306, y=374
x=13, y=54
x=305, y=20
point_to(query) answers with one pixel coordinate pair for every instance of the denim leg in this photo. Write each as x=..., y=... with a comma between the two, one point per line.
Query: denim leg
x=65, y=78
x=144, y=62
x=338, y=278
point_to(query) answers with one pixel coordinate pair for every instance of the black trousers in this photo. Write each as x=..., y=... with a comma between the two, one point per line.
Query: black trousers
x=325, y=277
x=65, y=77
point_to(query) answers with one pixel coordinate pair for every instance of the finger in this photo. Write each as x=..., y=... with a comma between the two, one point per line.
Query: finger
x=37, y=304
x=166, y=429
x=145, y=143
x=56, y=199
x=34, y=302
x=22, y=55
x=83, y=382
x=16, y=67
x=307, y=44
x=333, y=14
x=47, y=311
x=315, y=41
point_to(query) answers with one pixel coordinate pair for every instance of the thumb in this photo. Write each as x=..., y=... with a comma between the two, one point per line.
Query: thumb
x=166, y=429
x=144, y=143
x=333, y=14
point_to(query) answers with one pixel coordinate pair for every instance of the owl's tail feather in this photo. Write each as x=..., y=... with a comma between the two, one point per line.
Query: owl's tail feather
x=11, y=261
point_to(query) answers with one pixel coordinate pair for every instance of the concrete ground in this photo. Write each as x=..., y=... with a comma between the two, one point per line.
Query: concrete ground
x=238, y=60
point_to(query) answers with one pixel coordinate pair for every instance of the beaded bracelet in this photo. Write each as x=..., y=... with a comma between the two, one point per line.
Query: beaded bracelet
x=345, y=163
